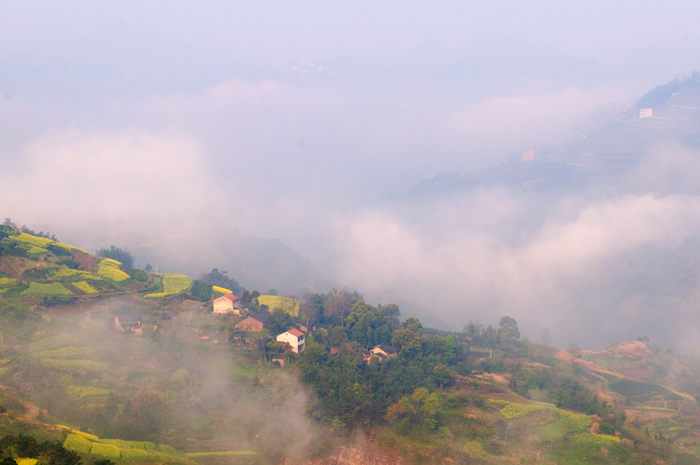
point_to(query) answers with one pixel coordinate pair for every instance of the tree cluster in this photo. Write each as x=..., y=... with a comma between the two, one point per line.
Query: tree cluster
x=221, y=279
x=116, y=253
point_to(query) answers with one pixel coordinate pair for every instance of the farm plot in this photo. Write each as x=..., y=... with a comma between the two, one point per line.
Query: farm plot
x=124, y=451
x=85, y=287
x=49, y=289
x=642, y=391
x=109, y=269
x=201, y=291
x=173, y=284
x=69, y=274
x=221, y=290
x=71, y=358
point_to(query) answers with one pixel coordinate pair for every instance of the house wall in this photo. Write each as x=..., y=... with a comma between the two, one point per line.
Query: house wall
x=292, y=340
x=223, y=305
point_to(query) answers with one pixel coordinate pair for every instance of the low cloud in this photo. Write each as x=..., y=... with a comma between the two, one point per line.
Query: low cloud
x=74, y=175
x=572, y=275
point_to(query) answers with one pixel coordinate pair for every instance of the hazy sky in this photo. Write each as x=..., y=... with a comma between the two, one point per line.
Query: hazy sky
x=124, y=33
x=151, y=124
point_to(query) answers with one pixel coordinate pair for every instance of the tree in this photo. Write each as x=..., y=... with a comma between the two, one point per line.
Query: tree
x=148, y=268
x=444, y=375
x=407, y=340
x=116, y=253
x=508, y=332
x=338, y=305
x=220, y=278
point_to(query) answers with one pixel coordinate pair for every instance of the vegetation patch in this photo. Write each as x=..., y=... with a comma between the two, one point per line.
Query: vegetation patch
x=109, y=269
x=46, y=289
x=71, y=273
x=27, y=461
x=66, y=352
x=596, y=440
x=221, y=290
x=649, y=408
x=223, y=453
x=475, y=449
x=125, y=451
x=84, y=286
x=289, y=305
x=77, y=443
x=36, y=241
x=514, y=410
x=82, y=392
x=201, y=291
x=106, y=450
x=7, y=281
x=566, y=424
x=173, y=284
x=77, y=365
x=643, y=391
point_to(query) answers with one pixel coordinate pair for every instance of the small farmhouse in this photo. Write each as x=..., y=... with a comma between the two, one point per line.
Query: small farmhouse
x=294, y=338
x=645, y=113
x=228, y=303
x=127, y=323
x=384, y=350
x=253, y=323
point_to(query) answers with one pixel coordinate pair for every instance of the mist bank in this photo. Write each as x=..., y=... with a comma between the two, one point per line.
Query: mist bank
x=284, y=185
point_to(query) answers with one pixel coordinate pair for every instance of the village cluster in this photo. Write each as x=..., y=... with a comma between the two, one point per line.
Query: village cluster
x=229, y=304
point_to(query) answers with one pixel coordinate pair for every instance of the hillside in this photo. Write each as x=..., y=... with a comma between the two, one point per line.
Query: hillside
x=598, y=158
x=192, y=387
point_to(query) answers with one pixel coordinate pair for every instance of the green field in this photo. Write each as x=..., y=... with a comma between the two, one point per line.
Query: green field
x=173, y=284
x=49, y=289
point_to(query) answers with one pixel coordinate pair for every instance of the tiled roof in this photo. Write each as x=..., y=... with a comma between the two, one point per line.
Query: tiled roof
x=295, y=332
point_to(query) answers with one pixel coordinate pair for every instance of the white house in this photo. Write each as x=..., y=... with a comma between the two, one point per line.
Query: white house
x=228, y=303
x=294, y=338
x=645, y=113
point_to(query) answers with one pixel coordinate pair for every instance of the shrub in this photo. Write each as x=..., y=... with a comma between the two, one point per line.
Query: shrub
x=137, y=275
x=7, y=281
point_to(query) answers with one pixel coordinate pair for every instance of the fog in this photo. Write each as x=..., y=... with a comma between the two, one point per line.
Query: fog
x=290, y=146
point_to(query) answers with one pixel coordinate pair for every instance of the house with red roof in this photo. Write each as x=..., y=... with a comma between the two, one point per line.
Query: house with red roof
x=294, y=338
x=228, y=303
